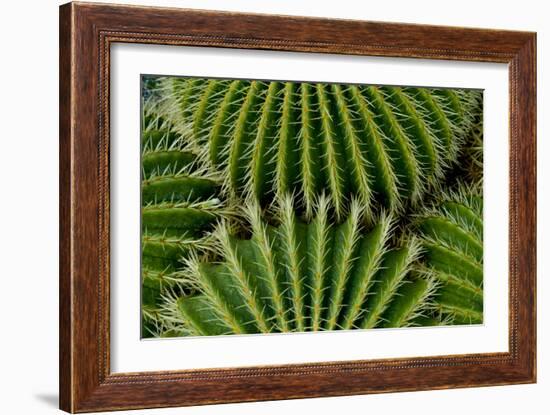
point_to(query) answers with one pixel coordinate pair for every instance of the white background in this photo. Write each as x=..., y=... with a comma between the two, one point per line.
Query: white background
x=28, y=159
x=129, y=354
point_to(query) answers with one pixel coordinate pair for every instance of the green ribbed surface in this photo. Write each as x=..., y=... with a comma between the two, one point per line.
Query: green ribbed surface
x=180, y=205
x=290, y=206
x=383, y=145
x=452, y=240
x=296, y=276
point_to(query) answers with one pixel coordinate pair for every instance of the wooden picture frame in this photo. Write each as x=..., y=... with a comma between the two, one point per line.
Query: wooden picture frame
x=86, y=33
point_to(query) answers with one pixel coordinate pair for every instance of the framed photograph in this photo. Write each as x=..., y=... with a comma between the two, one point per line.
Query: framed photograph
x=260, y=207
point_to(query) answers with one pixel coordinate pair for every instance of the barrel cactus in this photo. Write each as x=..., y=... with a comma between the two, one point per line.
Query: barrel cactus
x=180, y=204
x=382, y=145
x=292, y=206
x=451, y=232
x=471, y=158
x=297, y=276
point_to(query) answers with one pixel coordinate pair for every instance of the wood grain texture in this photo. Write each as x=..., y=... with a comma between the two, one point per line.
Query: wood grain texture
x=65, y=247
x=86, y=33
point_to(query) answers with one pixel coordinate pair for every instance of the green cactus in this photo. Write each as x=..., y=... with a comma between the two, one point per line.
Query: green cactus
x=384, y=146
x=180, y=204
x=471, y=159
x=452, y=240
x=286, y=206
x=297, y=276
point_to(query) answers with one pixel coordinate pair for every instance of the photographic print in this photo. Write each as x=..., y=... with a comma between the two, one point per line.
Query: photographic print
x=250, y=203
x=282, y=206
